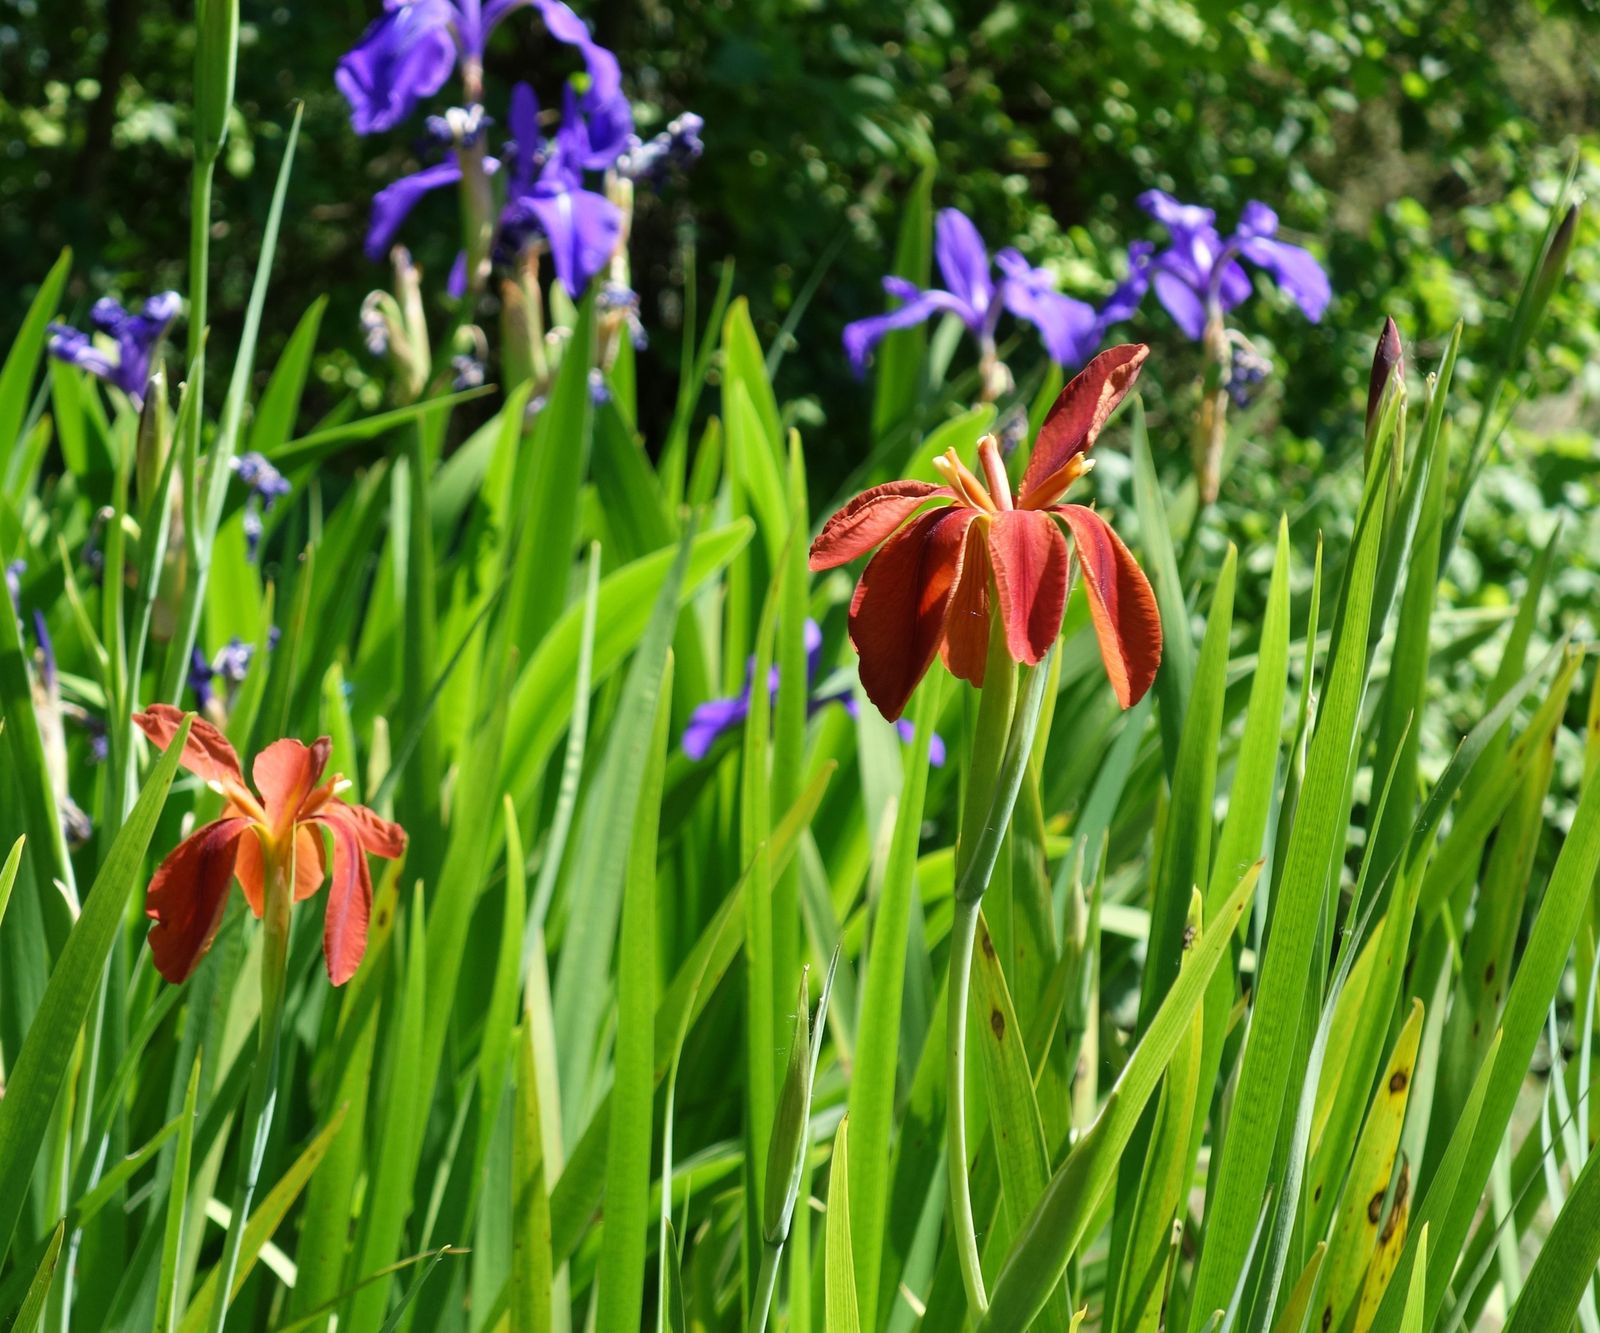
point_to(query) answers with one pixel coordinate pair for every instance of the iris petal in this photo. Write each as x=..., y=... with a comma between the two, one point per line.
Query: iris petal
x=1126, y=620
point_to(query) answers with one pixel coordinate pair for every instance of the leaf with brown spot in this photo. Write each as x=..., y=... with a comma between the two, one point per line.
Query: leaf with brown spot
x=1357, y=1251
x=1016, y=1128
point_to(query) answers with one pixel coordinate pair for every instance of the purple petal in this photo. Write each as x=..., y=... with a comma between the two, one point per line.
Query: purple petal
x=610, y=129
x=1178, y=218
x=456, y=284
x=862, y=335
x=1256, y=219
x=392, y=204
x=1183, y=303
x=1068, y=327
x=76, y=348
x=813, y=642
x=936, y=751
x=1233, y=285
x=401, y=58
x=523, y=121
x=710, y=720
x=1294, y=269
x=1122, y=302
x=964, y=261
x=609, y=114
x=581, y=227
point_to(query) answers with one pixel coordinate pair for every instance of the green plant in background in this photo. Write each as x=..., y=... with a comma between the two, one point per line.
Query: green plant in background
x=1280, y=1008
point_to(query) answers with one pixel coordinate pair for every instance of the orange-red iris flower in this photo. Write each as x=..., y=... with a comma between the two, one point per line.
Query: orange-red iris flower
x=190, y=888
x=928, y=588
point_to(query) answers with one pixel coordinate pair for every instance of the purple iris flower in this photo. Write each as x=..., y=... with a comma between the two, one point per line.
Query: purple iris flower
x=1068, y=327
x=1199, y=275
x=710, y=720
x=545, y=194
x=410, y=52
x=267, y=485
x=136, y=336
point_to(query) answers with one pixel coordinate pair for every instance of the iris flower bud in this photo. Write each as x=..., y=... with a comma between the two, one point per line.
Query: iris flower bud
x=786, y=1153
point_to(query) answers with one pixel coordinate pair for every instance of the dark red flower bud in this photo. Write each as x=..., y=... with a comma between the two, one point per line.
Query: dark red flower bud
x=1387, y=359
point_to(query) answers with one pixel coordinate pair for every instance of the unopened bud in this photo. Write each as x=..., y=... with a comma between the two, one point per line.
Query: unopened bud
x=786, y=1151
x=1552, y=268
x=1388, y=359
x=154, y=442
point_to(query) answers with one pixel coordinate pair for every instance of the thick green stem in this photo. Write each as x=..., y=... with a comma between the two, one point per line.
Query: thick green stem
x=766, y=1284
x=263, y=1095
x=199, y=255
x=977, y=869
x=963, y=932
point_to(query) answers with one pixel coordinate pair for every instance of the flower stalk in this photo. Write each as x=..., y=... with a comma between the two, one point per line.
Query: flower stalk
x=977, y=868
x=263, y=1095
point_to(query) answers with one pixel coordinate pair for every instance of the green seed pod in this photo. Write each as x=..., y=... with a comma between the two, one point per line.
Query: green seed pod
x=786, y=1152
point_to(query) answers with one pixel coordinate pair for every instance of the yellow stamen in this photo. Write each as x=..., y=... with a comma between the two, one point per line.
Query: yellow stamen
x=970, y=490
x=994, y=468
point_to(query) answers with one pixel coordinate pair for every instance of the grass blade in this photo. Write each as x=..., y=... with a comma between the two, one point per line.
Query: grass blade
x=41, y=1066
x=1062, y=1216
x=620, y=1276
x=842, y=1316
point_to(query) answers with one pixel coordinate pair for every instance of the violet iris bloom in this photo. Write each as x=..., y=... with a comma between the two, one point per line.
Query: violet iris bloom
x=710, y=720
x=1068, y=327
x=409, y=53
x=545, y=192
x=136, y=336
x=1199, y=275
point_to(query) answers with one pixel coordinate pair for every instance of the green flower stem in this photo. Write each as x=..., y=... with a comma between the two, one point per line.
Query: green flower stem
x=263, y=1095
x=963, y=932
x=977, y=869
x=766, y=1284
x=199, y=256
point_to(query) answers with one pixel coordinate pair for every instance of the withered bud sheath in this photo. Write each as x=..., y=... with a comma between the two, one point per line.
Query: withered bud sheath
x=1553, y=268
x=1387, y=359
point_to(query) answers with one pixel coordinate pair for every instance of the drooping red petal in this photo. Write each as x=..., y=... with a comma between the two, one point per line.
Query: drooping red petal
x=868, y=519
x=966, y=633
x=1073, y=423
x=310, y=864
x=898, y=614
x=286, y=772
x=206, y=753
x=1030, y=578
x=377, y=834
x=344, y=930
x=187, y=894
x=1121, y=604
x=309, y=867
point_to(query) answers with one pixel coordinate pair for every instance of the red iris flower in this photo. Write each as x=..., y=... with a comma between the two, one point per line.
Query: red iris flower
x=928, y=588
x=262, y=840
